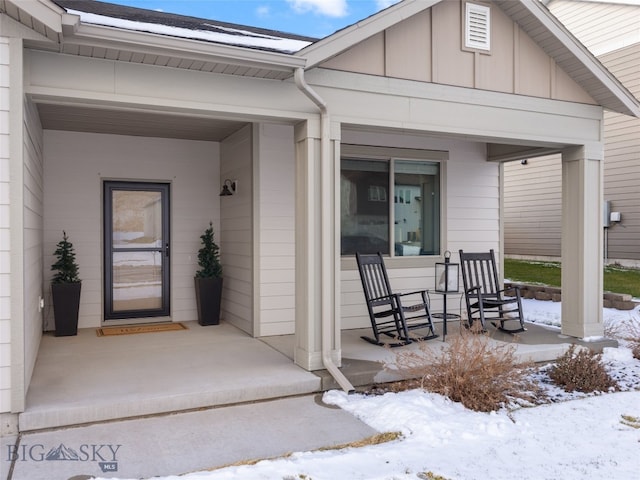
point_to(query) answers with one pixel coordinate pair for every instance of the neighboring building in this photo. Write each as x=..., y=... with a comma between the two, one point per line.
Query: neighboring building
x=532, y=191
x=415, y=105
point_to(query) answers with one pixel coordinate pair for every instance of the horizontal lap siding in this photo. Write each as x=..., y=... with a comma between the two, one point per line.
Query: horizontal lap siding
x=75, y=165
x=599, y=25
x=276, y=211
x=533, y=207
x=622, y=165
x=33, y=225
x=236, y=233
x=471, y=207
x=5, y=243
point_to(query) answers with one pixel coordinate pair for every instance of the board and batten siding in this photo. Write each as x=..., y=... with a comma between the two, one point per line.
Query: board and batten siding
x=516, y=64
x=470, y=219
x=236, y=229
x=75, y=166
x=275, y=230
x=5, y=241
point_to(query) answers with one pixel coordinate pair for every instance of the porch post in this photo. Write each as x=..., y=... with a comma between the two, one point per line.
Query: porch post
x=582, y=241
x=316, y=272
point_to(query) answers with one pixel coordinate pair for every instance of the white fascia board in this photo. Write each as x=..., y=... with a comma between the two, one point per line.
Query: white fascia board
x=344, y=39
x=44, y=11
x=584, y=56
x=110, y=37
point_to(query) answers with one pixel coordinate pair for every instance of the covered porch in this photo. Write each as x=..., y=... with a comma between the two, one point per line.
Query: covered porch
x=202, y=367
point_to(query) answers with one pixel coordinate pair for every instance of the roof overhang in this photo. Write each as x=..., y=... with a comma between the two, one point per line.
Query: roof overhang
x=571, y=55
x=335, y=44
x=534, y=19
x=109, y=42
x=59, y=31
x=43, y=17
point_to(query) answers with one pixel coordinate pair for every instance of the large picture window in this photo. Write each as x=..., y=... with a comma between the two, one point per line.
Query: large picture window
x=390, y=206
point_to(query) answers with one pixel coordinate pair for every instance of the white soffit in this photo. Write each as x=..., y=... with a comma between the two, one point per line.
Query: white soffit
x=573, y=57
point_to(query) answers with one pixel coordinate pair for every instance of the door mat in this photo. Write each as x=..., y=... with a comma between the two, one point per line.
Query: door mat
x=131, y=329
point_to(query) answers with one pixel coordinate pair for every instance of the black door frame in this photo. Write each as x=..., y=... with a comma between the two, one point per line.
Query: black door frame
x=108, y=188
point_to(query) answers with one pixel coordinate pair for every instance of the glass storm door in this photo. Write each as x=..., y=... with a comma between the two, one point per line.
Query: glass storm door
x=136, y=248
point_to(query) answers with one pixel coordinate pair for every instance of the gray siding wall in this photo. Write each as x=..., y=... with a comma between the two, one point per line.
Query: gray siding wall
x=622, y=159
x=601, y=26
x=532, y=192
x=533, y=207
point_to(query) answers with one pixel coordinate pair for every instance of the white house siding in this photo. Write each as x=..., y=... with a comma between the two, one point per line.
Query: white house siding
x=275, y=212
x=470, y=218
x=5, y=244
x=236, y=229
x=75, y=166
x=33, y=225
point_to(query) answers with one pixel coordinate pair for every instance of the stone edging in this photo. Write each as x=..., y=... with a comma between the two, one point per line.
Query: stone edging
x=619, y=301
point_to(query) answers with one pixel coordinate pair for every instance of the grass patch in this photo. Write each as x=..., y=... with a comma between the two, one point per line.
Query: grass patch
x=616, y=278
x=374, y=440
x=630, y=421
x=537, y=273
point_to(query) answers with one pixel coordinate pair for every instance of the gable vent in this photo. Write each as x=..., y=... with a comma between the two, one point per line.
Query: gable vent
x=477, y=32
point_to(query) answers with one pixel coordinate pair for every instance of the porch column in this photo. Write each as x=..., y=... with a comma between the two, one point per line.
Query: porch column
x=317, y=264
x=582, y=241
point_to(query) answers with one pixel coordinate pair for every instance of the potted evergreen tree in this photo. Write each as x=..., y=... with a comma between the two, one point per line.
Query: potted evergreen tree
x=65, y=288
x=208, y=280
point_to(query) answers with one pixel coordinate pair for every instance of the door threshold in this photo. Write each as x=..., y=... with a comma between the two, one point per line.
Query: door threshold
x=135, y=321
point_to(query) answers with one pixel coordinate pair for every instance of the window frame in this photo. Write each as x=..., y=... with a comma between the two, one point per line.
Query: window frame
x=392, y=155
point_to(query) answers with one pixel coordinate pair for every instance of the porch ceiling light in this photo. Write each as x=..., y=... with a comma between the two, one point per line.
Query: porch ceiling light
x=228, y=187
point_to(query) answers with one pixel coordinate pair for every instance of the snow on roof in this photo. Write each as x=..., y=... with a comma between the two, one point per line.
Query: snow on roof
x=140, y=20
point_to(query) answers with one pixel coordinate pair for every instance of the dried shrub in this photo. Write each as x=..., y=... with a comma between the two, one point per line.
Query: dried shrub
x=580, y=369
x=482, y=375
x=628, y=332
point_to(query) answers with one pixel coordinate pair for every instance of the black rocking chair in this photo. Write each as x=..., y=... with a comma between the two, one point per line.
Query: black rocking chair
x=486, y=302
x=387, y=309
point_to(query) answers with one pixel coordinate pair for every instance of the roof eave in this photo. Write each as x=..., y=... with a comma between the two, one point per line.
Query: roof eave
x=336, y=43
x=625, y=102
x=95, y=35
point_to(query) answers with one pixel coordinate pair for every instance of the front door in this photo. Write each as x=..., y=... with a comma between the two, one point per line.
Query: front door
x=136, y=250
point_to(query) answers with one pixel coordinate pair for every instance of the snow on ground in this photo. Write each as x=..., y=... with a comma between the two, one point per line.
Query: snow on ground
x=577, y=436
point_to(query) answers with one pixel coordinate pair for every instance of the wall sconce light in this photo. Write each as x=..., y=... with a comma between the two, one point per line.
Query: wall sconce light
x=229, y=187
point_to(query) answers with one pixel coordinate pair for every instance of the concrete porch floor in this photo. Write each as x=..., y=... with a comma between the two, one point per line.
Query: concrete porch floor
x=86, y=378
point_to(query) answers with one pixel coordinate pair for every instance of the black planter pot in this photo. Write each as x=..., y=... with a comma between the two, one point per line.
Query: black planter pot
x=66, y=304
x=209, y=300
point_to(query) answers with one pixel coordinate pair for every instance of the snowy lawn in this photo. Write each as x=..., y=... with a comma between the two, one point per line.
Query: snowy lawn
x=576, y=436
